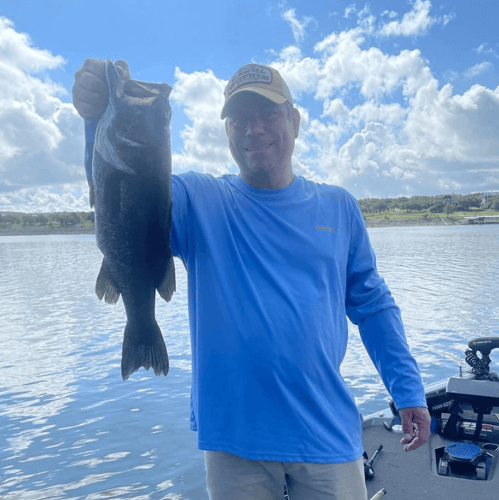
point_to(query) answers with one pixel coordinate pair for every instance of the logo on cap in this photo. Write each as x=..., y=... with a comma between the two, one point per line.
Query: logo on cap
x=249, y=74
x=260, y=79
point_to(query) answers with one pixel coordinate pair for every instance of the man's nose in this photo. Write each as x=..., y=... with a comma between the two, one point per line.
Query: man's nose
x=254, y=126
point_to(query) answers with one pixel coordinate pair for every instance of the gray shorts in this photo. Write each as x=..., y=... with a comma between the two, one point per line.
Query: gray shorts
x=229, y=477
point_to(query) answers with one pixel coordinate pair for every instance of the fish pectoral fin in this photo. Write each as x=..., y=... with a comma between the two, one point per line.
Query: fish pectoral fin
x=105, y=287
x=110, y=154
x=143, y=345
x=168, y=285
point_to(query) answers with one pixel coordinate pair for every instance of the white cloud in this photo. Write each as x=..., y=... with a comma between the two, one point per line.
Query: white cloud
x=486, y=50
x=390, y=14
x=442, y=137
x=477, y=69
x=16, y=50
x=346, y=62
x=349, y=11
x=415, y=22
x=41, y=137
x=369, y=111
x=51, y=198
x=366, y=20
x=297, y=27
x=301, y=73
x=460, y=128
x=205, y=143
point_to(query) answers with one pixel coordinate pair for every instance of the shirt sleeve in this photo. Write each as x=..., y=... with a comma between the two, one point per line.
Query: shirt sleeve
x=180, y=217
x=370, y=305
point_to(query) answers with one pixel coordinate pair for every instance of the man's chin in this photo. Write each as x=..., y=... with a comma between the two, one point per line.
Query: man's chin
x=260, y=168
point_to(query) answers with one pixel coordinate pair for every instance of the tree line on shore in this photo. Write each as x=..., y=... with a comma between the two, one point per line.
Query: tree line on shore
x=434, y=204
x=56, y=219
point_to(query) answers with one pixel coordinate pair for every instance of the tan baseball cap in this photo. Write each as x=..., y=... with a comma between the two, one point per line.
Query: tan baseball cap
x=260, y=79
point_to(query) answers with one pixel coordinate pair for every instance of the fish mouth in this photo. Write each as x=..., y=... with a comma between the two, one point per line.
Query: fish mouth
x=261, y=147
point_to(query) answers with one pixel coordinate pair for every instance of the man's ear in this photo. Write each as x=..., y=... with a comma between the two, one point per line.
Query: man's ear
x=296, y=121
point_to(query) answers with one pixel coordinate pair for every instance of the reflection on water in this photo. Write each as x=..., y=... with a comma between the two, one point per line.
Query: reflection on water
x=71, y=428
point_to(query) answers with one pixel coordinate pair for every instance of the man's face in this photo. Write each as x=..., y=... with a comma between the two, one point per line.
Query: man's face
x=261, y=134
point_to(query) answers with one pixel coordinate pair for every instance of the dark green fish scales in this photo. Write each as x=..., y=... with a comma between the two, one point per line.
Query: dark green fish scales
x=131, y=172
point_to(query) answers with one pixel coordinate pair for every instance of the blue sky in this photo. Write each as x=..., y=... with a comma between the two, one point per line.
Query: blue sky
x=398, y=98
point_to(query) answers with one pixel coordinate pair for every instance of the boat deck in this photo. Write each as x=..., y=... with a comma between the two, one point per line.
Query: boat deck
x=413, y=475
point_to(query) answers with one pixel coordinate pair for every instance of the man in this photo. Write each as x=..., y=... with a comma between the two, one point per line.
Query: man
x=275, y=265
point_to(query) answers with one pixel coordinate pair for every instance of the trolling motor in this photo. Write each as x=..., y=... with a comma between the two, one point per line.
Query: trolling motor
x=480, y=366
x=481, y=392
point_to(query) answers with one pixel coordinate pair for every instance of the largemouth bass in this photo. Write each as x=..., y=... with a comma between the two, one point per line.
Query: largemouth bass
x=131, y=184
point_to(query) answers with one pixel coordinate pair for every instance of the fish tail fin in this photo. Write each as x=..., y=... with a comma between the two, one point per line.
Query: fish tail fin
x=149, y=354
x=168, y=285
x=105, y=287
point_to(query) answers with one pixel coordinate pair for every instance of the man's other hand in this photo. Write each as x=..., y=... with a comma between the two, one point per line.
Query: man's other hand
x=416, y=427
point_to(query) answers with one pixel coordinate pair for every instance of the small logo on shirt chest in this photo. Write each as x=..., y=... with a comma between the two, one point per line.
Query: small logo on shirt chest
x=325, y=228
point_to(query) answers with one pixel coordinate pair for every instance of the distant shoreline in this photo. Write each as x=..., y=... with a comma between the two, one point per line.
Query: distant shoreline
x=89, y=229
x=413, y=222
x=46, y=230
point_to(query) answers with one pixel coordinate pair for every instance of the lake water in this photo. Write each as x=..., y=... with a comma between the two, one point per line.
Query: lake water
x=70, y=428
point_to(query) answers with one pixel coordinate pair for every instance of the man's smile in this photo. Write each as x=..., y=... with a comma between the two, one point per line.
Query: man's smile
x=252, y=149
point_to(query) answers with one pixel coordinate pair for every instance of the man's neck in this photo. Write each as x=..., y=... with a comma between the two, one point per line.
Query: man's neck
x=269, y=181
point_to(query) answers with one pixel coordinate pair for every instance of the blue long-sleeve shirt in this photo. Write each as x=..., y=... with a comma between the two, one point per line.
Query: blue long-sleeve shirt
x=272, y=277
